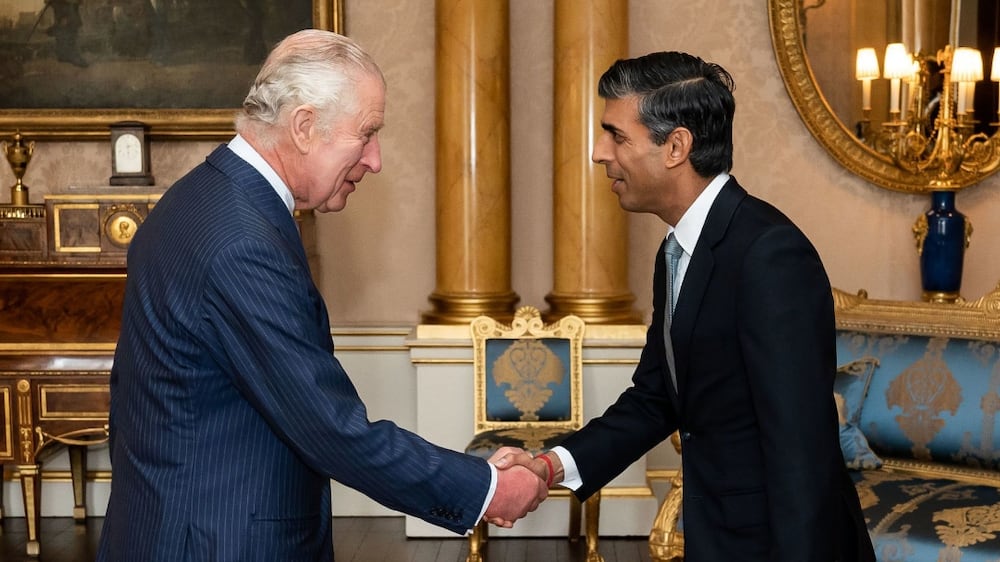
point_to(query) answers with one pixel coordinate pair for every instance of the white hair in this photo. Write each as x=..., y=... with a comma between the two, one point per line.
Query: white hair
x=314, y=67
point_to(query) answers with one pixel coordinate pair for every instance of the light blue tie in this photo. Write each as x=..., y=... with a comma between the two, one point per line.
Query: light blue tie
x=672, y=252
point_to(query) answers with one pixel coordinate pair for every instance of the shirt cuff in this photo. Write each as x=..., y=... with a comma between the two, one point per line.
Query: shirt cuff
x=489, y=497
x=571, y=475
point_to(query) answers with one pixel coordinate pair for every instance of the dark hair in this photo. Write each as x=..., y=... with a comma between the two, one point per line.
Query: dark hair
x=680, y=90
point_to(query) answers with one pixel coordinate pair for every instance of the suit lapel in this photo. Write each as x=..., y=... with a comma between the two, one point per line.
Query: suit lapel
x=698, y=274
x=261, y=196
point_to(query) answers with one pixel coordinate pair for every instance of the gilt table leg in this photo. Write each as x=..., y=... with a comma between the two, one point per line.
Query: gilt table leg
x=31, y=490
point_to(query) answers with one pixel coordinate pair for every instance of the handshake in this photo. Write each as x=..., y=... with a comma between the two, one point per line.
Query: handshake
x=523, y=482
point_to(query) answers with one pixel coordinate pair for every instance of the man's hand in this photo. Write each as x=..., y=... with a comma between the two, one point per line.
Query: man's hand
x=549, y=468
x=519, y=491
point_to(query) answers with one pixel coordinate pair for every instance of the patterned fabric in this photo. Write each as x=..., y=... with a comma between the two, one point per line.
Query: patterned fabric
x=849, y=389
x=917, y=519
x=527, y=379
x=933, y=399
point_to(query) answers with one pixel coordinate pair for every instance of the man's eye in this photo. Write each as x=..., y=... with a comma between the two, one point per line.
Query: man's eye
x=619, y=139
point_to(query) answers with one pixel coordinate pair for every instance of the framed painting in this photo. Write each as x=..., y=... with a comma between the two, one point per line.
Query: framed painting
x=71, y=68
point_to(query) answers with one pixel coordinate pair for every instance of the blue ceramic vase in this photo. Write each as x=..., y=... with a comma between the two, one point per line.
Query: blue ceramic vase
x=943, y=249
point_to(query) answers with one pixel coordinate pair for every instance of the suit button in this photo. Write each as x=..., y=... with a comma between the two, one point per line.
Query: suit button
x=686, y=436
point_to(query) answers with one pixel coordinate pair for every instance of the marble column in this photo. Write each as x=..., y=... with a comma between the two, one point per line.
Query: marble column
x=590, y=251
x=473, y=162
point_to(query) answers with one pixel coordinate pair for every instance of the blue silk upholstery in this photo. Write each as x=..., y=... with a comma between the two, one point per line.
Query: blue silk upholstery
x=526, y=380
x=508, y=372
x=932, y=400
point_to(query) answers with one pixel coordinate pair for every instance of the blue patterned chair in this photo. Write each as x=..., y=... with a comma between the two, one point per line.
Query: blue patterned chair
x=528, y=394
x=919, y=394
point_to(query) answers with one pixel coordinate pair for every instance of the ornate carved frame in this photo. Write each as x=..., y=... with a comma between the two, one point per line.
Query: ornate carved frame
x=90, y=124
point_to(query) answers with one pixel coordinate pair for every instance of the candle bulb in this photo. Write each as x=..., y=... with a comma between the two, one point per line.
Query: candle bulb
x=966, y=70
x=866, y=68
x=898, y=65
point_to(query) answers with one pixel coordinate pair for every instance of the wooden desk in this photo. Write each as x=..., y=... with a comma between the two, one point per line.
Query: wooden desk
x=48, y=401
x=57, y=340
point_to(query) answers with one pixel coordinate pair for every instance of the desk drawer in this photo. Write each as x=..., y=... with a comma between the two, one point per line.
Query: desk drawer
x=73, y=401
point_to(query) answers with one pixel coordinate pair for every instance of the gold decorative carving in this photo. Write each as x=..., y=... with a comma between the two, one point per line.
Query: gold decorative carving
x=120, y=223
x=6, y=446
x=666, y=541
x=82, y=437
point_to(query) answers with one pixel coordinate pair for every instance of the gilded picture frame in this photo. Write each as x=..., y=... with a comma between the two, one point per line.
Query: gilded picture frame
x=190, y=121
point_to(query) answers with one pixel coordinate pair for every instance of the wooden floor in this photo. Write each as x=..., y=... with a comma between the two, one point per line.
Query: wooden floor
x=356, y=539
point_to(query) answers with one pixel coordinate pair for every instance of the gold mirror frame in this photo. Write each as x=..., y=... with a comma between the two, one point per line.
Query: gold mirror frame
x=822, y=122
x=173, y=124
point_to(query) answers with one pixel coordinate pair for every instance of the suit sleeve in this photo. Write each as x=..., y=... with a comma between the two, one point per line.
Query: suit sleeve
x=273, y=340
x=787, y=335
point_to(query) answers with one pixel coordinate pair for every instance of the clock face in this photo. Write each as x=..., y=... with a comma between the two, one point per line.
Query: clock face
x=128, y=154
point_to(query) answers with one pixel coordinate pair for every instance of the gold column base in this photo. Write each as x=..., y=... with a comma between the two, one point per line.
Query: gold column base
x=455, y=308
x=941, y=296
x=612, y=309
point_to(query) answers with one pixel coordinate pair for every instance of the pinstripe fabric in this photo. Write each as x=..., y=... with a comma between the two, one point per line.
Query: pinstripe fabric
x=229, y=412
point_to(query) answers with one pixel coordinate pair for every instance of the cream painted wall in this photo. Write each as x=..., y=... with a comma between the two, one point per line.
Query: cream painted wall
x=378, y=256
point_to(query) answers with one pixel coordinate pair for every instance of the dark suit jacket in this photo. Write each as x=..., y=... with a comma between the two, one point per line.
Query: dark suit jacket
x=754, y=343
x=229, y=412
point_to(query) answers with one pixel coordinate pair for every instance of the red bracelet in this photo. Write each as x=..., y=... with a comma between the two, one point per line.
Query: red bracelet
x=552, y=471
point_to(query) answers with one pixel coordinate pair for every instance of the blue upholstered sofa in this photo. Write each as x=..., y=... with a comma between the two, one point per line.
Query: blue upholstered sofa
x=918, y=391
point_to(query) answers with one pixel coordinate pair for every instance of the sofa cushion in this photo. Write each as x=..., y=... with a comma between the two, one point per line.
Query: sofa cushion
x=849, y=390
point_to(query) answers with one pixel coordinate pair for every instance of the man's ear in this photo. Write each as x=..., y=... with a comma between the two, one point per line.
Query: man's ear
x=677, y=148
x=302, y=122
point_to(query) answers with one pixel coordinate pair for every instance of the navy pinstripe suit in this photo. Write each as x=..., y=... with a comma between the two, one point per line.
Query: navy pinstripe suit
x=229, y=412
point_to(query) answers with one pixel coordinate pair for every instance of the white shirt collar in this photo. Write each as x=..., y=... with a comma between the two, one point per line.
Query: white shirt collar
x=242, y=148
x=689, y=228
